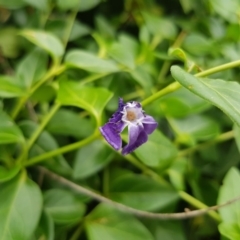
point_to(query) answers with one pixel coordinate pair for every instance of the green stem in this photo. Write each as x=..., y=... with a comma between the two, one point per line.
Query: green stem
x=62, y=150
x=196, y=203
x=174, y=86
x=221, y=138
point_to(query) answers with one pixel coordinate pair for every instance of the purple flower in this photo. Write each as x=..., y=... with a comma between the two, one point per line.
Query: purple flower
x=139, y=126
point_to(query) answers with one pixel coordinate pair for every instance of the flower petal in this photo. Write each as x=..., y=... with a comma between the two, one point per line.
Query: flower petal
x=117, y=116
x=149, y=124
x=137, y=136
x=111, y=135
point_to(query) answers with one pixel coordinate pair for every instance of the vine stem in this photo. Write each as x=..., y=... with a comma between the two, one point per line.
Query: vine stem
x=175, y=86
x=150, y=215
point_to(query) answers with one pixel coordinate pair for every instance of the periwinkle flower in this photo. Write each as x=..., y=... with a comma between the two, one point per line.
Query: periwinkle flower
x=139, y=126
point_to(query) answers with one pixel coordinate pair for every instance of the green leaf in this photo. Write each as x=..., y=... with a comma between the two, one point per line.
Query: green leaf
x=45, y=143
x=79, y=30
x=83, y=5
x=229, y=190
x=63, y=206
x=231, y=231
x=89, y=62
x=26, y=75
x=68, y=123
x=12, y=4
x=91, y=99
x=88, y=4
x=20, y=208
x=8, y=174
x=108, y=224
x=157, y=152
x=45, y=40
x=141, y=192
x=10, y=88
x=91, y=159
x=42, y=5
x=220, y=93
x=45, y=229
x=9, y=132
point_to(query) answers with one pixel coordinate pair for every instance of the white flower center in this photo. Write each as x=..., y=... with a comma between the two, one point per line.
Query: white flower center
x=132, y=115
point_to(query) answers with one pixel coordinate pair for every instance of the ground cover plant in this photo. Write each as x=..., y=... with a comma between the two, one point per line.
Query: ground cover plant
x=64, y=68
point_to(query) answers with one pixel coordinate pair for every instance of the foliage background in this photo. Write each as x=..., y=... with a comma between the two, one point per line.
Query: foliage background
x=63, y=66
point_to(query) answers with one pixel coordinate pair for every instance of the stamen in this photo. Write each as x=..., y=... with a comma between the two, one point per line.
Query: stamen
x=131, y=116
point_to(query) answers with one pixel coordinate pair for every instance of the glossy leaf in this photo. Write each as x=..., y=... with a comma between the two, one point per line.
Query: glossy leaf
x=157, y=152
x=63, y=206
x=26, y=75
x=229, y=190
x=9, y=132
x=20, y=208
x=223, y=94
x=10, y=87
x=231, y=231
x=45, y=143
x=142, y=193
x=45, y=40
x=107, y=223
x=89, y=62
x=91, y=99
x=88, y=162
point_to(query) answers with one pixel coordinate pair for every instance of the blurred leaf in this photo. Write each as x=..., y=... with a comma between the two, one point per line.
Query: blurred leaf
x=69, y=123
x=12, y=4
x=44, y=94
x=229, y=190
x=45, y=228
x=86, y=5
x=9, y=41
x=195, y=128
x=92, y=100
x=157, y=152
x=20, y=208
x=104, y=27
x=10, y=87
x=26, y=75
x=9, y=132
x=89, y=62
x=91, y=159
x=8, y=174
x=39, y=4
x=231, y=231
x=141, y=192
x=79, y=30
x=108, y=224
x=83, y=5
x=63, y=206
x=181, y=103
x=45, y=143
x=220, y=93
x=45, y=40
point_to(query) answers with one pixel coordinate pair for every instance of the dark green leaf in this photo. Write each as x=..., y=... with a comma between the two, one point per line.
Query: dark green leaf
x=90, y=62
x=108, y=224
x=157, y=152
x=63, y=206
x=45, y=40
x=220, y=93
x=20, y=208
x=8, y=174
x=142, y=193
x=9, y=132
x=91, y=159
x=92, y=100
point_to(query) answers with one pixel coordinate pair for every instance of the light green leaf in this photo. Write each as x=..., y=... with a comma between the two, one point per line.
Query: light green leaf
x=45, y=40
x=68, y=123
x=20, y=208
x=26, y=75
x=12, y=4
x=10, y=87
x=229, y=190
x=231, y=231
x=89, y=62
x=157, y=152
x=223, y=94
x=83, y=5
x=9, y=132
x=91, y=99
x=88, y=4
x=63, y=206
x=39, y=4
x=91, y=159
x=8, y=174
x=108, y=224
x=141, y=192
